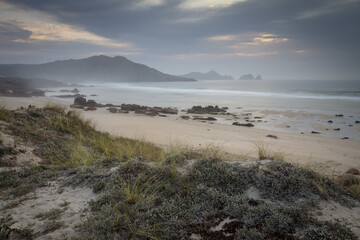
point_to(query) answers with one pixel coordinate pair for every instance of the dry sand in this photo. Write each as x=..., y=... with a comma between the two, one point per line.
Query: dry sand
x=324, y=154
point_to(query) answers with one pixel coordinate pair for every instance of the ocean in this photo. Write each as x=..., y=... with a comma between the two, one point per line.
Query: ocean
x=327, y=97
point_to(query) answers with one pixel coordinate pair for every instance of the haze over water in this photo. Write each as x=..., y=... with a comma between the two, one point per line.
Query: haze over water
x=341, y=96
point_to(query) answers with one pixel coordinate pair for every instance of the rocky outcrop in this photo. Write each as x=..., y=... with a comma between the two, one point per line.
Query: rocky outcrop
x=169, y=110
x=185, y=117
x=80, y=101
x=150, y=111
x=206, y=110
x=243, y=124
x=89, y=105
x=205, y=119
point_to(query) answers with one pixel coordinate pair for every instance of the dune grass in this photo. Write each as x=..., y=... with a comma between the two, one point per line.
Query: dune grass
x=71, y=140
x=265, y=151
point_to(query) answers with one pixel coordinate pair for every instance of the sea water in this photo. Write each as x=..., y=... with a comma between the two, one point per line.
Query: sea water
x=313, y=96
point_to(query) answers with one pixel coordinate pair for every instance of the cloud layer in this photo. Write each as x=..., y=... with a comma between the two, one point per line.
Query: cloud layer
x=277, y=38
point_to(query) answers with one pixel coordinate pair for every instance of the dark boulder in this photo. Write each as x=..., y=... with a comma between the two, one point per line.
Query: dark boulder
x=80, y=101
x=91, y=103
x=185, y=117
x=243, y=124
x=272, y=136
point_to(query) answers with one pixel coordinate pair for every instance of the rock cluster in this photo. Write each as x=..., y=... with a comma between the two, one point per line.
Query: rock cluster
x=149, y=111
x=206, y=110
x=89, y=105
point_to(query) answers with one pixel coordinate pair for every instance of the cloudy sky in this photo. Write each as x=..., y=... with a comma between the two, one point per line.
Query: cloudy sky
x=279, y=39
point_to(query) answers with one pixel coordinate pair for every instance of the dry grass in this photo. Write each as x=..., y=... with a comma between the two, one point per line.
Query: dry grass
x=265, y=151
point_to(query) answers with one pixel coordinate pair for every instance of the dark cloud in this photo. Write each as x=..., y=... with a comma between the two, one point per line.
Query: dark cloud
x=327, y=31
x=10, y=31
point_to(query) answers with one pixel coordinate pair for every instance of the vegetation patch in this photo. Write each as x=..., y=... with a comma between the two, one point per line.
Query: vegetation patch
x=146, y=192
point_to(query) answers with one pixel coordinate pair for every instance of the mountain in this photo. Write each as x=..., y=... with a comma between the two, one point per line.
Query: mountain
x=250, y=77
x=92, y=69
x=211, y=75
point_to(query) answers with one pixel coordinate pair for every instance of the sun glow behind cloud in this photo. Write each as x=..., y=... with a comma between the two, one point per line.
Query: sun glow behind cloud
x=206, y=4
x=44, y=27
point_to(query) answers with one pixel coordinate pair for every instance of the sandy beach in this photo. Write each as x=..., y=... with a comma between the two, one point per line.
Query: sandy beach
x=327, y=155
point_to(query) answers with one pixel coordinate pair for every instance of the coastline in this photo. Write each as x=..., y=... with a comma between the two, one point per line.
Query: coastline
x=327, y=155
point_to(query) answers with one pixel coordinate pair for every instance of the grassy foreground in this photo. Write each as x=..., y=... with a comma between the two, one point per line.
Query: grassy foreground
x=146, y=192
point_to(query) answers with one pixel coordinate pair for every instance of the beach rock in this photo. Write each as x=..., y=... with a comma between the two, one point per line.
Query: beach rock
x=80, y=101
x=314, y=132
x=140, y=111
x=336, y=129
x=185, y=117
x=205, y=119
x=350, y=125
x=272, y=136
x=91, y=103
x=357, y=122
x=344, y=138
x=243, y=124
x=169, y=110
x=162, y=115
x=206, y=110
x=353, y=171
x=93, y=95
x=330, y=121
x=339, y=115
x=131, y=107
x=257, y=117
x=112, y=110
x=156, y=109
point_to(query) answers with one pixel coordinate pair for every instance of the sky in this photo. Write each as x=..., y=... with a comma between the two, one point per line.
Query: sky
x=278, y=39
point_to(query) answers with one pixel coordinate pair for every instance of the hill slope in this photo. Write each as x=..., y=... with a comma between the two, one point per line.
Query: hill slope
x=92, y=69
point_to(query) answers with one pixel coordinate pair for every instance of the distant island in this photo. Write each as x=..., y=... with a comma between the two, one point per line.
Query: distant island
x=93, y=69
x=250, y=77
x=211, y=75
